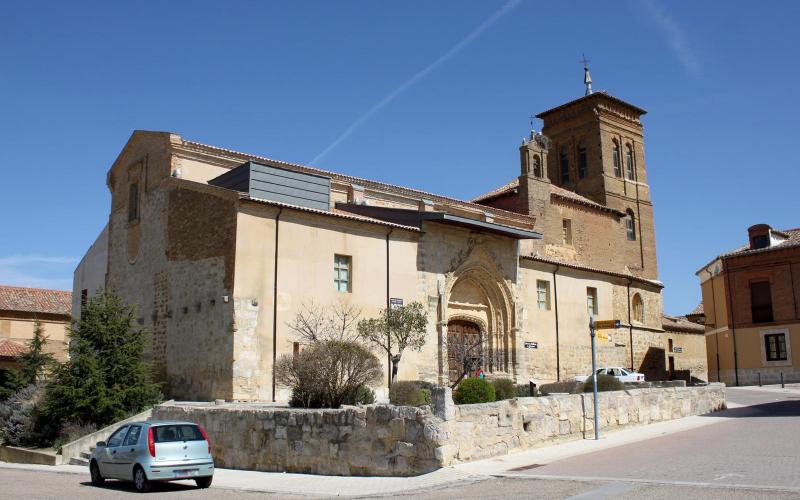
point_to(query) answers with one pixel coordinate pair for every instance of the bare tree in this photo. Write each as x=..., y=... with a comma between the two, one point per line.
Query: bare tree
x=315, y=323
x=395, y=330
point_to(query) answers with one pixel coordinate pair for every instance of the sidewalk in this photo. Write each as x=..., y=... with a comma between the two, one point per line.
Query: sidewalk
x=354, y=486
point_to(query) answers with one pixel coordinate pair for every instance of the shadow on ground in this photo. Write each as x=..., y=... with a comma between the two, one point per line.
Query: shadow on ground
x=774, y=409
x=127, y=487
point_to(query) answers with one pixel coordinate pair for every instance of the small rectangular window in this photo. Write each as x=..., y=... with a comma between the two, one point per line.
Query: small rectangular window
x=629, y=170
x=591, y=301
x=761, y=302
x=342, y=272
x=775, y=346
x=617, y=165
x=582, y=165
x=669, y=345
x=566, y=231
x=543, y=295
x=133, y=202
x=630, y=229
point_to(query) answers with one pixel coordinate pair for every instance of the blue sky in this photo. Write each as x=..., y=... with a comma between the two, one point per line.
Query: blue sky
x=432, y=95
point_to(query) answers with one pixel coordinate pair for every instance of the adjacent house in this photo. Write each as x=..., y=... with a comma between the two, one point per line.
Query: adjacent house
x=20, y=308
x=751, y=299
x=218, y=250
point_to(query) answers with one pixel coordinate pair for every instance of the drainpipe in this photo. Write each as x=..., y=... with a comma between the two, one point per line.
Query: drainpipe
x=275, y=304
x=716, y=335
x=630, y=324
x=388, y=334
x=732, y=325
x=555, y=306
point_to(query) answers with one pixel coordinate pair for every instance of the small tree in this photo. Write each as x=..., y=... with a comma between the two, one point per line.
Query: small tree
x=106, y=378
x=395, y=330
x=315, y=323
x=35, y=364
x=327, y=373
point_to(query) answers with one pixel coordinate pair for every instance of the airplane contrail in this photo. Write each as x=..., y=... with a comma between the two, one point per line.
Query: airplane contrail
x=505, y=9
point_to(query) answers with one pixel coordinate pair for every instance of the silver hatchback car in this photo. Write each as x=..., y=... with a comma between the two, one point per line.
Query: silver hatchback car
x=156, y=450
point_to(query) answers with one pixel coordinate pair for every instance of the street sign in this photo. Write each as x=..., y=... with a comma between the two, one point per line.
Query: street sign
x=603, y=336
x=677, y=349
x=531, y=345
x=607, y=324
x=395, y=303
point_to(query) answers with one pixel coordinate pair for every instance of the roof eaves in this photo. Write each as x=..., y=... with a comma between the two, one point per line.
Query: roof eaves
x=357, y=180
x=580, y=267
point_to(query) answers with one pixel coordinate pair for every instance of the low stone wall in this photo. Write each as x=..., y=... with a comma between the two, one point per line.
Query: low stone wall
x=374, y=440
x=383, y=440
x=490, y=429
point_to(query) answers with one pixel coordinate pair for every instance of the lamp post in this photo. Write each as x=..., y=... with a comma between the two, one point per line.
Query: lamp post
x=594, y=376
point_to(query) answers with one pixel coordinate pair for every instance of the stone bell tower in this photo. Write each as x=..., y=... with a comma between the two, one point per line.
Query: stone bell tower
x=597, y=151
x=534, y=185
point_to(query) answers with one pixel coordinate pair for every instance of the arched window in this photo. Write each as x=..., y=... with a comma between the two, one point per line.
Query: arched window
x=617, y=160
x=582, y=166
x=537, y=166
x=637, y=308
x=564, y=161
x=629, y=171
x=630, y=225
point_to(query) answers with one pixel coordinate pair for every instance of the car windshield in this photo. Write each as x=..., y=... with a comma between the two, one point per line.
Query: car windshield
x=178, y=432
x=624, y=371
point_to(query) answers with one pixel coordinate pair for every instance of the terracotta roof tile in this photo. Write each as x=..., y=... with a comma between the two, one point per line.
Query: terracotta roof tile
x=11, y=350
x=558, y=192
x=581, y=267
x=35, y=300
x=680, y=324
x=697, y=311
x=792, y=240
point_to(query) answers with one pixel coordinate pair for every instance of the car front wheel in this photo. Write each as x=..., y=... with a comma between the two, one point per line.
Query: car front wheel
x=140, y=481
x=203, y=482
x=97, y=478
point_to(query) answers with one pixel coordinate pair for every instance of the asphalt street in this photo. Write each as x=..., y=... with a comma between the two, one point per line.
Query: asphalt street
x=757, y=446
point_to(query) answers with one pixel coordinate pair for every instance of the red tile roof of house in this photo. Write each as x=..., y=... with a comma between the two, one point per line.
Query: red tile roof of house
x=792, y=240
x=35, y=300
x=10, y=350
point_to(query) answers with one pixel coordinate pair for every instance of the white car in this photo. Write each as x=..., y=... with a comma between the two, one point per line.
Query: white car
x=622, y=374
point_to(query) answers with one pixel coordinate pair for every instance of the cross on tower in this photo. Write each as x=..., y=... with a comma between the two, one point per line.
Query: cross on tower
x=587, y=78
x=584, y=61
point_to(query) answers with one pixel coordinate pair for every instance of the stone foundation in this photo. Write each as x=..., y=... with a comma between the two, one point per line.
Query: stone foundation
x=383, y=440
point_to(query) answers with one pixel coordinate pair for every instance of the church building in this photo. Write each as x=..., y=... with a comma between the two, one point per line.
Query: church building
x=218, y=250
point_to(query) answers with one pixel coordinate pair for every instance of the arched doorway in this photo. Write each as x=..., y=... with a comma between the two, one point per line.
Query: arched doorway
x=465, y=348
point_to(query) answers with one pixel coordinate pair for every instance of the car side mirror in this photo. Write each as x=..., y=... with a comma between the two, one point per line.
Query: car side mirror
x=101, y=444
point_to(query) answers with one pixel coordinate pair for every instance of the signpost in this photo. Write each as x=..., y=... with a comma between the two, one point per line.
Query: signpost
x=395, y=303
x=594, y=376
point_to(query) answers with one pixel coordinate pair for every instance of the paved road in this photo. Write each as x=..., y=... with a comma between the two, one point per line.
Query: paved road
x=757, y=447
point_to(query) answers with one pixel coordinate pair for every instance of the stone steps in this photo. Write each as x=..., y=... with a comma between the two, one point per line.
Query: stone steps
x=79, y=461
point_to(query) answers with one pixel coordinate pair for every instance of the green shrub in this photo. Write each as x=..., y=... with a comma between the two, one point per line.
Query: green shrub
x=604, y=383
x=410, y=393
x=474, y=390
x=567, y=386
x=363, y=395
x=504, y=388
x=523, y=390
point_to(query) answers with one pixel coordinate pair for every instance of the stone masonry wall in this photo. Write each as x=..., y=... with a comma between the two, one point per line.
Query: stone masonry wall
x=383, y=440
